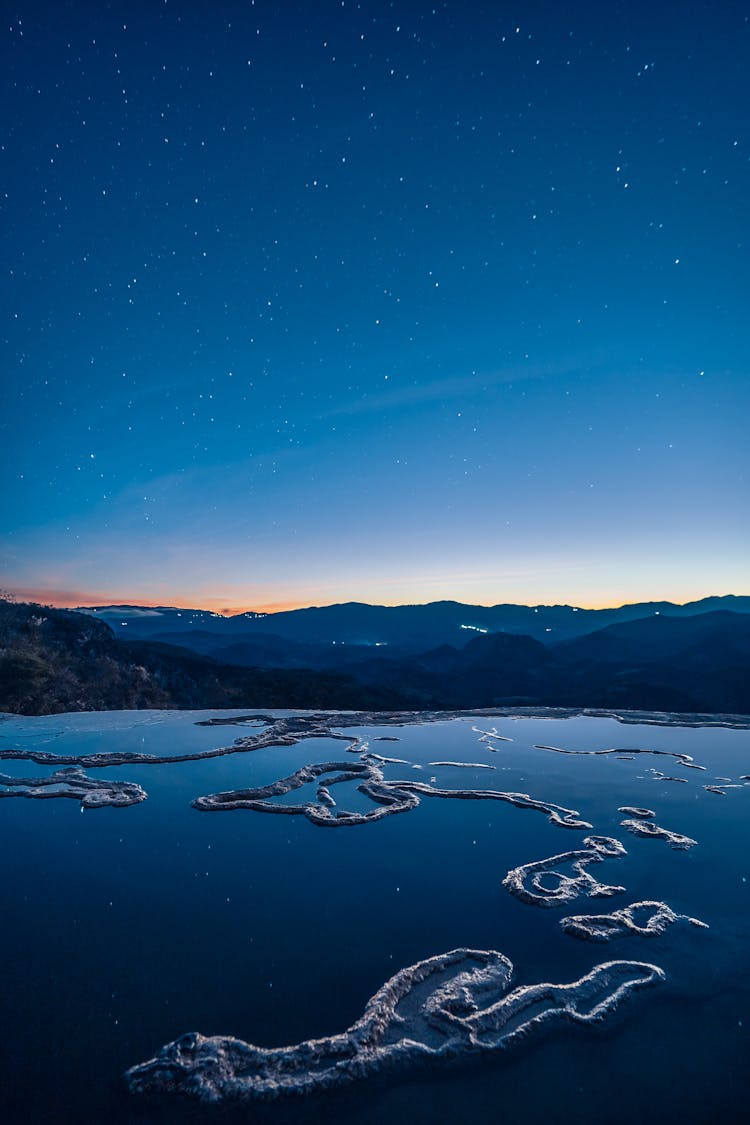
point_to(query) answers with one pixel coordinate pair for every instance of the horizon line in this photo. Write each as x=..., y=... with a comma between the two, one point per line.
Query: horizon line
x=60, y=599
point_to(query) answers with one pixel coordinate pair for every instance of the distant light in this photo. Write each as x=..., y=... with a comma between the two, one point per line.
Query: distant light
x=474, y=628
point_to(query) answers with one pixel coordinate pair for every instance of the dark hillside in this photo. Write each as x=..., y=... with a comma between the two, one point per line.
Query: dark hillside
x=57, y=660
x=688, y=664
x=54, y=660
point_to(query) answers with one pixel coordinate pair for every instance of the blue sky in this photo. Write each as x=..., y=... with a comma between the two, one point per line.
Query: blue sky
x=306, y=303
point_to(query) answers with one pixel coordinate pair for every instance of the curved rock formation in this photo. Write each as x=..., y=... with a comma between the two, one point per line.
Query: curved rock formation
x=627, y=755
x=541, y=884
x=721, y=785
x=655, y=832
x=93, y=793
x=286, y=731
x=447, y=1007
x=646, y=919
x=465, y=765
x=389, y=797
x=632, y=810
x=556, y=814
x=657, y=775
x=323, y=811
x=490, y=737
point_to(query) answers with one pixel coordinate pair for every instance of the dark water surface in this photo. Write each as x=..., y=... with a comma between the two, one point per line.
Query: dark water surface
x=120, y=929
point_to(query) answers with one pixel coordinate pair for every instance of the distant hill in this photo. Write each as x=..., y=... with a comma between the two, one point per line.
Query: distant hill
x=663, y=639
x=405, y=628
x=690, y=664
x=496, y=669
x=54, y=660
x=702, y=663
x=265, y=650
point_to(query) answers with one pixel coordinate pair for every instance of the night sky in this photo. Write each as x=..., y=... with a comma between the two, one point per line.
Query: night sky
x=306, y=302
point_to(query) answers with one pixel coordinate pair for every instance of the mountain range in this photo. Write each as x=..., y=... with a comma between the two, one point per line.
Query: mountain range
x=648, y=656
x=406, y=628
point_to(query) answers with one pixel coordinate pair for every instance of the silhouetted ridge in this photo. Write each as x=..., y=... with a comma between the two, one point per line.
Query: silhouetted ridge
x=56, y=660
x=408, y=628
x=665, y=638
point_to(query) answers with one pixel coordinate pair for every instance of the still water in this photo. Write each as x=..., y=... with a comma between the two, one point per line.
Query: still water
x=123, y=928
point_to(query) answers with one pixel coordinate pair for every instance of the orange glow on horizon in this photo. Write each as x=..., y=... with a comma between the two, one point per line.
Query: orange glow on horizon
x=72, y=599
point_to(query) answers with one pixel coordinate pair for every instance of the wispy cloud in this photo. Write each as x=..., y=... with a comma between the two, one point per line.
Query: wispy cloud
x=398, y=394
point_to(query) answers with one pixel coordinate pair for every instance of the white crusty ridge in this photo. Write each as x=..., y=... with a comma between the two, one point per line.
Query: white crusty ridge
x=645, y=919
x=72, y=782
x=446, y=1007
x=540, y=884
x=388, y=797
